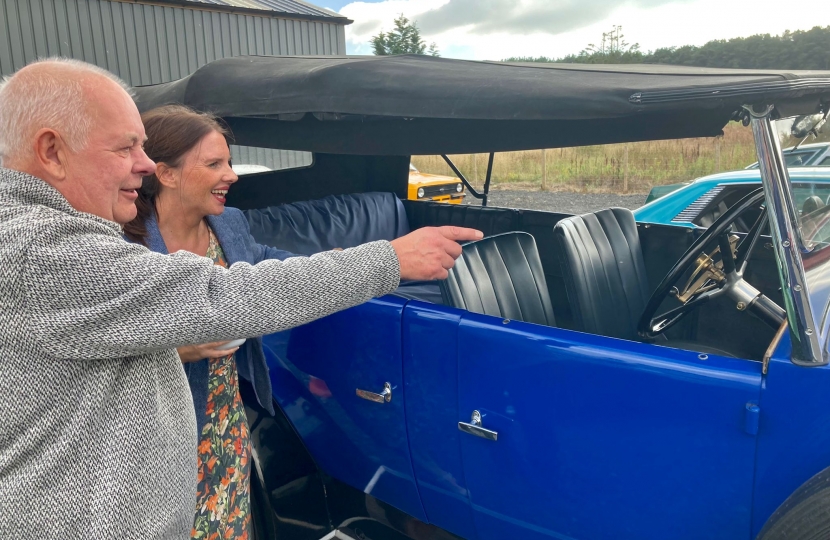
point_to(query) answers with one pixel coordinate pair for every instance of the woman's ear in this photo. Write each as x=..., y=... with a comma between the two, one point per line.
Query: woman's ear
x=167, y=175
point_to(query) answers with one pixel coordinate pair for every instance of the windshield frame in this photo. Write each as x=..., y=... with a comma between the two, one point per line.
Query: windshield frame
x=805, y=294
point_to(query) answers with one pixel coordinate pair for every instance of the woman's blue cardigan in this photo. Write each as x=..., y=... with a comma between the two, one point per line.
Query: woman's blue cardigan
x=234, y=235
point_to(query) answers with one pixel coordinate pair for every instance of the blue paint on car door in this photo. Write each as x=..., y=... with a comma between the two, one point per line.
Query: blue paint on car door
x=793, y=437
x=430, y=338
x=601, y=438
x=316, y=370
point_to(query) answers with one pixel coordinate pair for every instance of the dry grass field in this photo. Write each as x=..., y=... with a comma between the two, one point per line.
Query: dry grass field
x=617, y=168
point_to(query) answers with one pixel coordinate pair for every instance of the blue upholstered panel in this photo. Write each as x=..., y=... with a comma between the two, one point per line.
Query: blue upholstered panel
x=342, y=221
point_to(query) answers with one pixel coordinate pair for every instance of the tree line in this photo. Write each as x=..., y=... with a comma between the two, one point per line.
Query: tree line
x=801, y=49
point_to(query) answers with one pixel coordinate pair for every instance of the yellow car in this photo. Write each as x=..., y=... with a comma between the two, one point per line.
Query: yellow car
x=434, y=187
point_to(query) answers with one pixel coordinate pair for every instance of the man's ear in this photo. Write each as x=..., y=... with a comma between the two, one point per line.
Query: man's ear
x=51, y=153
x=166, y=175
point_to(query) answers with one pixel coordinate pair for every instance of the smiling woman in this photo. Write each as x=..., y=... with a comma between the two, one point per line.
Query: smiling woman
x=190, y=165
x=182, y=207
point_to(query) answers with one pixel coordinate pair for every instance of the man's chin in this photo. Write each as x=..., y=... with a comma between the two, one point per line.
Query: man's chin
x=124, y=214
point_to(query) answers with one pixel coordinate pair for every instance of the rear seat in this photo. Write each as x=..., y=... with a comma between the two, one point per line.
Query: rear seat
x=342, y=221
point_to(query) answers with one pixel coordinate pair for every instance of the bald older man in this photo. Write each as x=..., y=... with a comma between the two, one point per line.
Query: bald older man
x=98, y=436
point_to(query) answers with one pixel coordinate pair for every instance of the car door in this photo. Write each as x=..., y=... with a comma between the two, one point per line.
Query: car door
x=329, y=378
x=430, y=339
x=595, y=438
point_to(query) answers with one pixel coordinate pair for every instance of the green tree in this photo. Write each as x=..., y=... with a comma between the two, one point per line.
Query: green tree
x=405, y=38
x=802, y=49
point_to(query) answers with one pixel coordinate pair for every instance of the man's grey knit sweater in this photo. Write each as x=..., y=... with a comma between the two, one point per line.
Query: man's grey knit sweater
x=98, y=436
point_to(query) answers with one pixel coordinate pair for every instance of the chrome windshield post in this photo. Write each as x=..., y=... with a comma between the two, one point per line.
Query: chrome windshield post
x=787, y=240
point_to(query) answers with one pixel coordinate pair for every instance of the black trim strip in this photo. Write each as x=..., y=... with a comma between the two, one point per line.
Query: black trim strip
x=718, y=92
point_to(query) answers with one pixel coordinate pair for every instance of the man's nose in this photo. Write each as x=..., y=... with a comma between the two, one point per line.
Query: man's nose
x=144, y=166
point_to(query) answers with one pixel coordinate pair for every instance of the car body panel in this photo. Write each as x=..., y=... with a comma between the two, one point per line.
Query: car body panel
x=586, y=424
x=793, y=436
x=665, y=209
x=592, y=427
x=430, y=338
x=316, y=370
x=661, y=191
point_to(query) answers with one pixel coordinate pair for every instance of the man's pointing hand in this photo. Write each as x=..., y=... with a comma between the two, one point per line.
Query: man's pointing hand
x=429, y=252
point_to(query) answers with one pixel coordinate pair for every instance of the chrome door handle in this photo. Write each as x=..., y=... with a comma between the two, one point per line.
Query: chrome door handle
x=383, y=397
x=474, y=428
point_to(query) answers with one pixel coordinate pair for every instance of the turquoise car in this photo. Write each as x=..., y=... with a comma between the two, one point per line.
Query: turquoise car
x=805, y=155
x=701, y=202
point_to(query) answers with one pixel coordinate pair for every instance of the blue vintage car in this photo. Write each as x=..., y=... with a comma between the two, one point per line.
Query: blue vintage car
x=701, y=202
x=577, y=377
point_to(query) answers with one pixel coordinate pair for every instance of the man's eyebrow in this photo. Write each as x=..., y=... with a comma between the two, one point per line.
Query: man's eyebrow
x=135, y=139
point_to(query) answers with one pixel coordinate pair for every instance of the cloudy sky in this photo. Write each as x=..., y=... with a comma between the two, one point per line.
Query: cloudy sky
x=497, y=29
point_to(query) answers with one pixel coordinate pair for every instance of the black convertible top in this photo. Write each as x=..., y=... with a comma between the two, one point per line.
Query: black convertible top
x=403, y=105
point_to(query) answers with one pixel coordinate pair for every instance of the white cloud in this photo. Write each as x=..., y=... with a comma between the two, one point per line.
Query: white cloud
x=523, y=16
x=496, y=29
x=371, y=18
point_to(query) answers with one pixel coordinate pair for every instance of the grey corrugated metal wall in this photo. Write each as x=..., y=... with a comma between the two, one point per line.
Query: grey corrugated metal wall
x=149, y=44
x=273, y=159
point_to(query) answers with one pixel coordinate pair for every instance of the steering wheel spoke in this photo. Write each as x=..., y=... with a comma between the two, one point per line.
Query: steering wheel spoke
x=747, y=246
x=671, y=317
x=726, y=256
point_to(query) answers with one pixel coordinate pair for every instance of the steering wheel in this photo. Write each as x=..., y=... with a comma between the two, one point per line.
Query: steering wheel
x=709, y=278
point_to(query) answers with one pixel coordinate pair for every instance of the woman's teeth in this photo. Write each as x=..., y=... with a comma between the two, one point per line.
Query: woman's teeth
x=221, y=192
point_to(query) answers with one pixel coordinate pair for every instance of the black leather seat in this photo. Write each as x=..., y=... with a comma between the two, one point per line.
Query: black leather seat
x=500, y=275
x=605, y=275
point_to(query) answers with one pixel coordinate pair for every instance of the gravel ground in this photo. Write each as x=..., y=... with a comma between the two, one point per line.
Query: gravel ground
x=565, y=202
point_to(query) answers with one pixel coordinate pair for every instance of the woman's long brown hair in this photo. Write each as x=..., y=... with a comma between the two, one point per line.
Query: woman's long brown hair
x=172, y=131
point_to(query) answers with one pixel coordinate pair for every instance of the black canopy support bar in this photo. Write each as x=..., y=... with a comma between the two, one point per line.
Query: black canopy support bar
x=487, y=178
x=470, y=188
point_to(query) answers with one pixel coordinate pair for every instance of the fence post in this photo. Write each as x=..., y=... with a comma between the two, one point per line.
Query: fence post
x=625, y=169
x=544, y=170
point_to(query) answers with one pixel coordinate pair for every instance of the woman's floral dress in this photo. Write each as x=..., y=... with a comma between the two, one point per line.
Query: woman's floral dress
x=223, y=491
